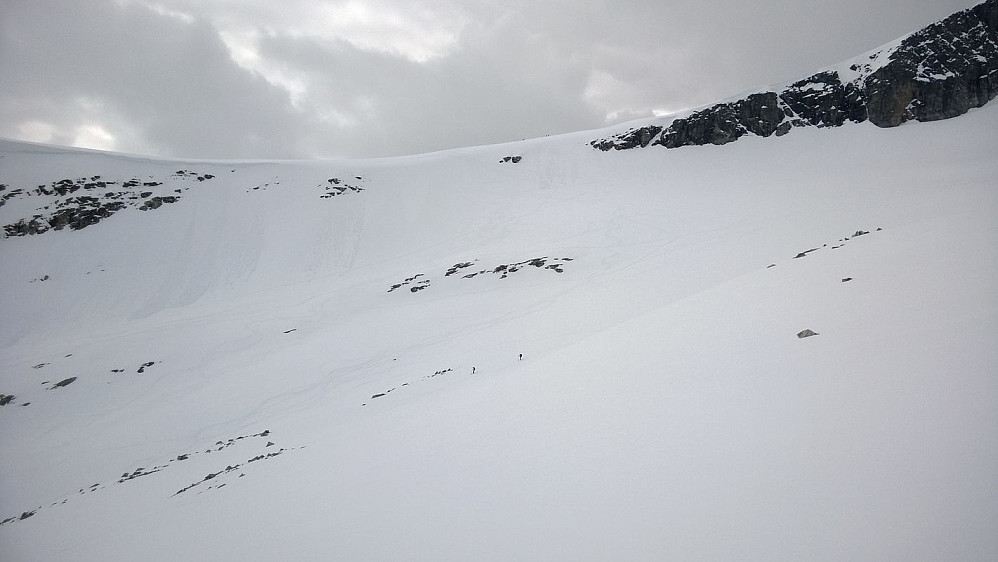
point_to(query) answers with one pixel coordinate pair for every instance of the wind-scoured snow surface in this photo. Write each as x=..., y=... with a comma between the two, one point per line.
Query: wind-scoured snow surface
x=277, y=366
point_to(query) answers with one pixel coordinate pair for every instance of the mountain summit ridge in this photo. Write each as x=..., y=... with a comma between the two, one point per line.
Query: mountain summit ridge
x=938, y=72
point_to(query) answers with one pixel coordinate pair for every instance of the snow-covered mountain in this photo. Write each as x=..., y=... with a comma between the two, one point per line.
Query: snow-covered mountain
x=778, y=348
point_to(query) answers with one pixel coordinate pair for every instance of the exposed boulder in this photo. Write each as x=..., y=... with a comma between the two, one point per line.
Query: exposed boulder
x=157, y=202
x=63, y=383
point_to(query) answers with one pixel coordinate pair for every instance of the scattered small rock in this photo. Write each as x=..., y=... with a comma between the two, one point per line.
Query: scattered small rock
x=846, y=279
x=456, y=267
x=63, y=382
x=806, y=333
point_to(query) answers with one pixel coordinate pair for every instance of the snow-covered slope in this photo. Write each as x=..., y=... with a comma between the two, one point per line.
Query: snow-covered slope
x=249, y=386
x=781, y=348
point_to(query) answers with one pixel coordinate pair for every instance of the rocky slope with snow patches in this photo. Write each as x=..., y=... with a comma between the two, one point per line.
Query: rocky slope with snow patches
x=938, y=72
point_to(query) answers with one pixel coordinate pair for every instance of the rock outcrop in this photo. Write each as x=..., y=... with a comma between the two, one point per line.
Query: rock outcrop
x=78, y=203
x=938, y=72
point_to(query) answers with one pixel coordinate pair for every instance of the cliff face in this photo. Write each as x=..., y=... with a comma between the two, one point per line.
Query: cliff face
x=938, y=72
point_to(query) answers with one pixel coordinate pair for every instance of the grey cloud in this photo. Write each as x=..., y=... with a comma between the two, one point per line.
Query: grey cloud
x=478, y=95
x=146, y=76
x=515, y=69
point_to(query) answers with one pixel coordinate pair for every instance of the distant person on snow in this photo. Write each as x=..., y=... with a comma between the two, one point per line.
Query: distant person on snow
x=521, y=357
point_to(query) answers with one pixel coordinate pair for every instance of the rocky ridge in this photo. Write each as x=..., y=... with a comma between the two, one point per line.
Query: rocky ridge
x=938, y=72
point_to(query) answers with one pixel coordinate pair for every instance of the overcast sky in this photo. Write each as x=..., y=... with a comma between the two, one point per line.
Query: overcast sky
x=360, y=78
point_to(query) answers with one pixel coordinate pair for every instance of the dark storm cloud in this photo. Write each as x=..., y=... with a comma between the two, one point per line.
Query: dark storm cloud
x=353, y=78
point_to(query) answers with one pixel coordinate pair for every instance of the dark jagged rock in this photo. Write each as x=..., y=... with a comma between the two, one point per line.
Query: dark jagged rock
x=157, y=202
x=453, y=269
x=806, y=334
x=716, y=125
x=938, y=72
x=6, y=399
x=759, y=114
x=631, y=139
x=823, y=100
